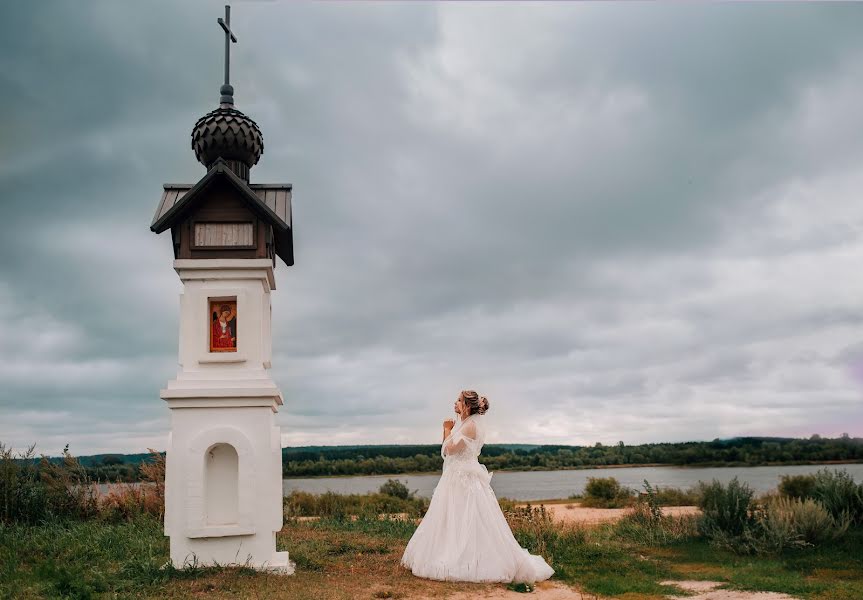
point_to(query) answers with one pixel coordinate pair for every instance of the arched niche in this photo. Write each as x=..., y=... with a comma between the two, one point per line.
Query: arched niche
x=220, y=490
x=221, y=485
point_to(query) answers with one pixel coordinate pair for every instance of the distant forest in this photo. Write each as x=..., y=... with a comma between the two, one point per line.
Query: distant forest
x=310, y=461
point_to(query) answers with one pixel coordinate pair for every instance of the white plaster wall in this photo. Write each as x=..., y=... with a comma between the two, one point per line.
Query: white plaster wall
x=225, y=404
x=251, y=431
x=253, y=332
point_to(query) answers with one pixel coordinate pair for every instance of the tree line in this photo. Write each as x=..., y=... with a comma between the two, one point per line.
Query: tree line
x=384, y=460
x=392, y=460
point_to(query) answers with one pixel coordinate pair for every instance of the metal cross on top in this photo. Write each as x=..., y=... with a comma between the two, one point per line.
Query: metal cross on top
x=227, y=91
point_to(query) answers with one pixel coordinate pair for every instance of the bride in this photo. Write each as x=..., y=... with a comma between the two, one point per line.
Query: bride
x=464, y=535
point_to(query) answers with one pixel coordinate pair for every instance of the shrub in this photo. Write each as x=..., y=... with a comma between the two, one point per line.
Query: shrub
x=807, y=518
x=773, y=528
x=839, y=494
x=797, y=486
x=606, y=492
x=734, y=521
x=725, y=509
x=397, y=489
x=783, y=523
x=602, y=488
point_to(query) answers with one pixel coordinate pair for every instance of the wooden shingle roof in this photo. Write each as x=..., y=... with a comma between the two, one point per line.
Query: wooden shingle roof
x=272, y=202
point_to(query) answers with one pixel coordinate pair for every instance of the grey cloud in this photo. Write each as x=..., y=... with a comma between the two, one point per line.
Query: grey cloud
x=593, y=213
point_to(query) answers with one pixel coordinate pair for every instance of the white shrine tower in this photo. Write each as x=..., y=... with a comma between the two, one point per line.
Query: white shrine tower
x=223, y=483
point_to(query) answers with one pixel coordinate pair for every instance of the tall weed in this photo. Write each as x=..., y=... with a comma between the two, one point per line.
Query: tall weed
x=126, y=501
x=726, y=509
x=536, y=530
x=646, y=524
x=22, y=495
x=839, y=494
x=68, y=489
x=807, y=519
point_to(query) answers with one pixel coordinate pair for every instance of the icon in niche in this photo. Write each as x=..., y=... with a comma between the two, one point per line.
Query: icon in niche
x=223, y=331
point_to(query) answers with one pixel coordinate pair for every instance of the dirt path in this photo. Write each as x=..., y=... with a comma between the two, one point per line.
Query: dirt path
x=707, y=590
x=545, y=590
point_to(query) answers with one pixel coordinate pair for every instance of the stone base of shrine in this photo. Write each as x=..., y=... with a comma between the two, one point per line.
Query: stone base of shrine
x=223, y=477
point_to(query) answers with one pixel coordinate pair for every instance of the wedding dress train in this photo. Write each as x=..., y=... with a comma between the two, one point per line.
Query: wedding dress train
x=464, y=535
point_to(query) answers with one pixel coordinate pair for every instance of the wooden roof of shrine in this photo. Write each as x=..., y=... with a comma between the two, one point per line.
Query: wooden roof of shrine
x=271, y=202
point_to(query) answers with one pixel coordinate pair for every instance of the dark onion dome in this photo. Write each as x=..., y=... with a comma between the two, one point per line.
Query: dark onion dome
x=229, y=134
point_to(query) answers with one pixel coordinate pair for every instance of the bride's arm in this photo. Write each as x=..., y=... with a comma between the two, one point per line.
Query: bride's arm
x=468, y=431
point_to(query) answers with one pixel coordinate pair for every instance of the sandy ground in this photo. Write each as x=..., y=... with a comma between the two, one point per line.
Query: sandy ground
x=707, y=590
x=574, y=513
x=546, y=590
x=570, y=513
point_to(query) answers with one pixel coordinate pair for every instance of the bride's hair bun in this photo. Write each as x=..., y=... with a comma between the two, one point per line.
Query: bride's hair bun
x=476, y=403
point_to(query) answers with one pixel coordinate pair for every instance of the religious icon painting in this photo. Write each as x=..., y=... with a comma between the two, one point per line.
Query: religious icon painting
x=223, y=329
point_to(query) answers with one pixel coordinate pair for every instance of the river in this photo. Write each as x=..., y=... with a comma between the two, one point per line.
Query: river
x=541, y=485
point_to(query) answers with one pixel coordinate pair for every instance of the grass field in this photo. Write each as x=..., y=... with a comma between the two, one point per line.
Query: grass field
x=339, y=558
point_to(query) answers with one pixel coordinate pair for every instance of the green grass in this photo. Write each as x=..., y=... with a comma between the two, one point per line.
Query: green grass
x=833, y=571
x=601, y=566
x=331, y=504
x=343, y=558
x=91, y=559
x=621, y=560
x=78, y=559
x=393, y=529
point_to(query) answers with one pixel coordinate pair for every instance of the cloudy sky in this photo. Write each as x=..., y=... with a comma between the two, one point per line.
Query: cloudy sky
x=635, y=222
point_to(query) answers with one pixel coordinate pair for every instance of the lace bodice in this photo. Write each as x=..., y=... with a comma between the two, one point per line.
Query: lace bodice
x=465, y=441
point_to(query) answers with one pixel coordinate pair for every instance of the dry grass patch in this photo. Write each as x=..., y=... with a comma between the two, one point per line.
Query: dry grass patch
x=340, y=565
x=351, y=564
x=826, y=574
x=700, y=571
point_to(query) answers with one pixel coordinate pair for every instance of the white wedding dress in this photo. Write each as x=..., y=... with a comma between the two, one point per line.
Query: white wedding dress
x=464, y=535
